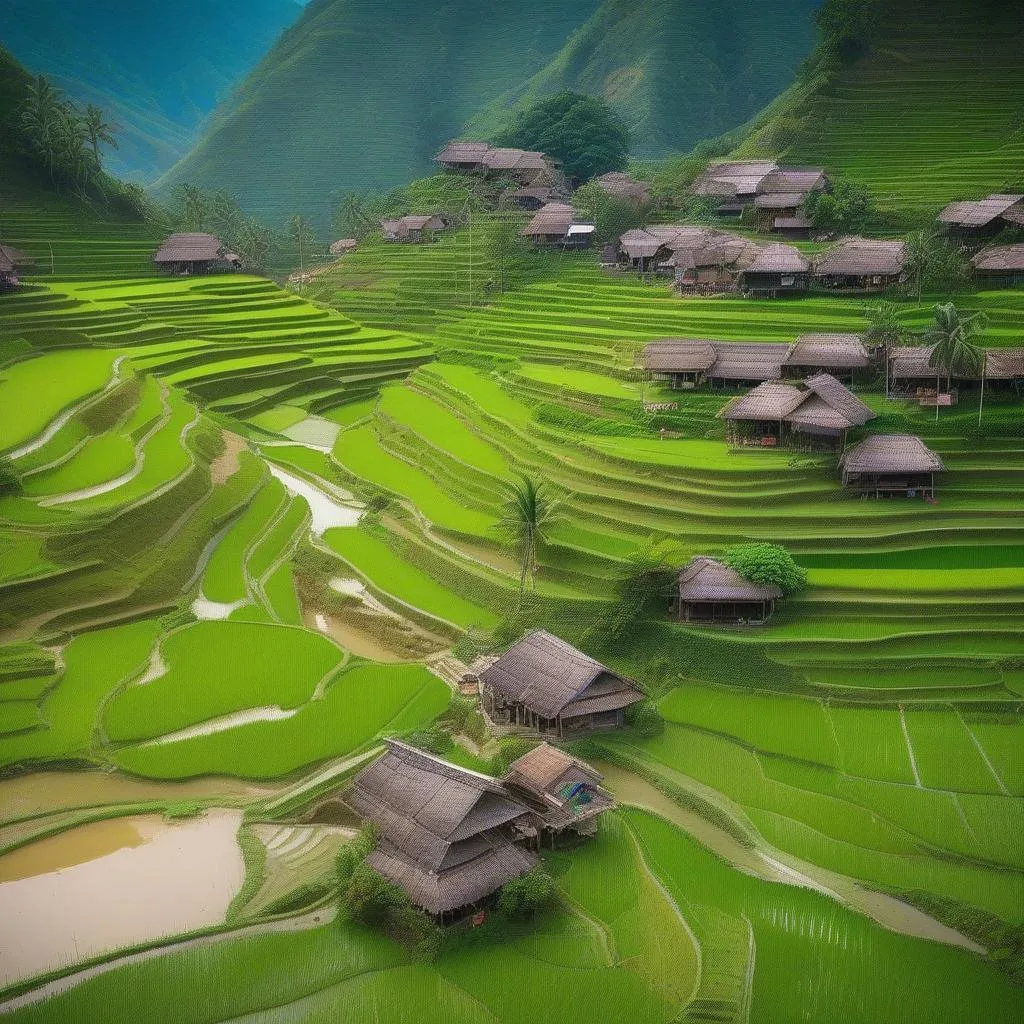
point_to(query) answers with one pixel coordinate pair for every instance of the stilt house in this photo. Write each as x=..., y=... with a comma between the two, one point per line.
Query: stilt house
x=776, y=270
x=861, y=264
x=449, y=837
x=544, y=684
x=1000, y=266
x=558, y=224
x=195, y=252
x=462, y=156
x=910, y=369
x=983, y=218
x=891, y=464
x=711, y=592
x=412, y=228
x=565, y=794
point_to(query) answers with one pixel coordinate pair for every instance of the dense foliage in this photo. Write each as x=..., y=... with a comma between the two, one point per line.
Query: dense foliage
x=846, y=209
x=581, y=131
x=766, y=564
x=526, y=895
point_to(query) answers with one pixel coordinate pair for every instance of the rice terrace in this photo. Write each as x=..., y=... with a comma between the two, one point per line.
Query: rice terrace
x=512, y=515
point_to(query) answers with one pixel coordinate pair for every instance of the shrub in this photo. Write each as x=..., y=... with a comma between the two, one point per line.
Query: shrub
x=525, y=895
x=370, y=898
x=767, y=564
x=352, y=854
x=645, y=719
x=582, y=131
x=847, y=208
x=9, y=480
x=183, y=809
x=510, y=748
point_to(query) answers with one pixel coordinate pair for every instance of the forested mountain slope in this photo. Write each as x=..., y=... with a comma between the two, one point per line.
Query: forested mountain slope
x=157, y=71
x=359, y=97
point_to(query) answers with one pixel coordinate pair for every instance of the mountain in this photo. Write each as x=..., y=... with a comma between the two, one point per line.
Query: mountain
x=359, y=95
x=156, y=71
x=933, y=110
x=677, y=72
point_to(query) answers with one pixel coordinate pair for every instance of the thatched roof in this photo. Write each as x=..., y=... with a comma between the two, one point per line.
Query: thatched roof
x=978, y=213
x=1000, y=258
x=794, y=179
x=191, y=247
x=458, y=152
x=779, y=258
x=736, y=177
x=624, y=186
x=780, y=200
x=855, y=257
x=542, y=769
x=770, y=400
x=829, y=351
x=749, y=360
x=513, y=160
x=685, y=355
x=342, y=246
x=792, y=222
x=914, y=363
x=552, y=219
x=16, y=257
x=838, y=397
x=553, y=678
x=445, y=830
x=822, y=402
x=562, y=789
x=891, y=453
x=639, y=244
x=707, y=579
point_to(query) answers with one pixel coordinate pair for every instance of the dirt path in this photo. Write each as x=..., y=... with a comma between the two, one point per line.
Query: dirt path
x=227, y=464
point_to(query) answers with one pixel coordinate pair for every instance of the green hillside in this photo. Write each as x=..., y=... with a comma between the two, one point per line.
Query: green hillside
x=676, y=72
x=157, y=73
x=934, y=112
x=317, y=119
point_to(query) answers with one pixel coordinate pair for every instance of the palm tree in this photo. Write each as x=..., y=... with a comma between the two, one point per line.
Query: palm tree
x=98, y=131
x=301, y=232
x=351, y=218
x=40, y=119
x=885, y=329
x=953, y=350
x=525, y=516
x=194, y=205
x=920, y=254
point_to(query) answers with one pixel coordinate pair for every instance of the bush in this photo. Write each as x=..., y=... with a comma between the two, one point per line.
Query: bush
x=510, y=748
x=183, y=809
x=525, y=895
x=581, y=131
x=847, y=208
x=767, y=564
x=9, y=480
x=645, y=719
x=370, y=898
x=352, y=854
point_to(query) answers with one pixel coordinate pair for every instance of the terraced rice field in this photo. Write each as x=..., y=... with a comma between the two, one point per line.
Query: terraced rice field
x=210, y=469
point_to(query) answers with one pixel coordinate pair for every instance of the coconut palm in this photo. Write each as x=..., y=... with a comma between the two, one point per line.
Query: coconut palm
x=921, y=251
x=97, y=131
x=300, y=230
x=526, y=515
x=885, y=329
x=40, y=119
x=953, y=350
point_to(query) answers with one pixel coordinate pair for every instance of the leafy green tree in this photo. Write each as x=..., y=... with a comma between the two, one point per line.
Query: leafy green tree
x=41, y=114
x=766, y=564
x=523, y=896
x=850, y=25
x=350, y=219
x=643, y=588
x=847, y=208
x=98, y=130
x=954, y=351
x=526, y=515
x=611, y=215
x=885, y=329
x=195, y=206
x=581, y=131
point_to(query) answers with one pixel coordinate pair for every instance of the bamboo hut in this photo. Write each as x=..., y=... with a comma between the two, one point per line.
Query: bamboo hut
x=624, y=186
x=861, y=264
x=449, y=837
x=1000, y=266
x=891, y=464
x=462, y=156
x=545, y=685
x=413, y=228
x=564, y=793
x=839, y=354
x=195, y=253
x=713, y=593
x=551, y=225
x=776, y=270
x=983, y=218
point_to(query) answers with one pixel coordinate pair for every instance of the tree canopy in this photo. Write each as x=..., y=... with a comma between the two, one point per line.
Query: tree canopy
x=847, y=208
x=581, y=131
x=766, y=564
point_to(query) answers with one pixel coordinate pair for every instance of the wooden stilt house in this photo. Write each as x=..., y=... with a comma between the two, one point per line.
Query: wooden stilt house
x=891, y=464
x=545, y=685
x=195, y=252
x=711, y=592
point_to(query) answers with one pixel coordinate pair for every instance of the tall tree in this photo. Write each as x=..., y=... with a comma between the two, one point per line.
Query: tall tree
x=98, y=131
x=41, y=115
x=300, y=231
x=952, y=333
x=885, y=328
x=350, y=218
x=505, y=249
x=920, y=254
x=195, y=206
x=526, y=515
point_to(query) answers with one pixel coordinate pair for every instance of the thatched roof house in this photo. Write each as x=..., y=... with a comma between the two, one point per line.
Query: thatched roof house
x=195, y=252
x=737, y=179
x=912, y=364
x=343, y=246
x=545, y=684
x=533, y=197
x=412, y=227
x=982, y=217
x=775, y=412
x=562, y=791
x=1000, y=265
x=709, y=591
x=550, y=224
x=624, y=186
x=740, y=182
x=840, y=354
x=861, y=263
x=18, y=258
x=449, y=836
x=799, y=180
x=462, y=156
x=777, y=269
x=701, y=259
x=8, y=275
x=891, y=464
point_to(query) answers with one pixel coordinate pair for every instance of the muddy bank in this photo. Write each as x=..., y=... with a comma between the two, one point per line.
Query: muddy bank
x=112, y=884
